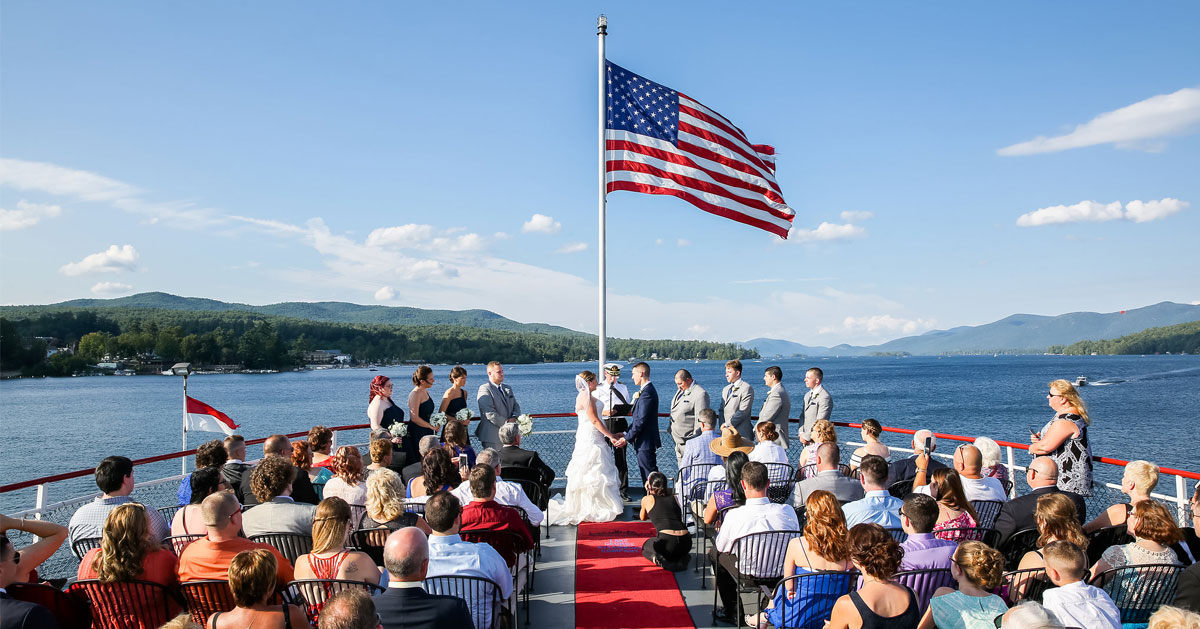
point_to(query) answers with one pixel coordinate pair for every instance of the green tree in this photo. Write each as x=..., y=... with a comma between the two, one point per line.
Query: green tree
x=93, y=345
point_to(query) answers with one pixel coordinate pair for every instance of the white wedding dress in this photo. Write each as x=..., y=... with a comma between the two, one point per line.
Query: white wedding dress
x=593, y=493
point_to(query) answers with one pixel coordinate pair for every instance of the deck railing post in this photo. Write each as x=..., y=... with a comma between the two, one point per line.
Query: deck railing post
x=1012, y=473
x=41, y=500
x=1181, y=499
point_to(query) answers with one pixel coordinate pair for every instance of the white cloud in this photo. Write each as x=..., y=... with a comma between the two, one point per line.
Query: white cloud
x=572, y=247
x=698, y=330
x=26, y=215
x=765, y=280
x=856, y=216
x=501, y=236
x=410, y=235
x=111, y=260
x=826, y=232
x=658, y=241
x=58, y=180
x=683, y=242
x=108, y=289
x=880, y=324
x=385, y=294
x=1159, y=116
x=541, y=224
x=1094, y=212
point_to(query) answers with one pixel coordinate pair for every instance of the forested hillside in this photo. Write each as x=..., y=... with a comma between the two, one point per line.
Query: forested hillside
x=1174, y=339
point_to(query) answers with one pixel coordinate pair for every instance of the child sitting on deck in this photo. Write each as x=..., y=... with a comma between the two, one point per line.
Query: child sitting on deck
x=1076, y=603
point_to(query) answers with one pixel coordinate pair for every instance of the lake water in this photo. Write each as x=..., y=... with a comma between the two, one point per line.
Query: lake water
x=1141, y=406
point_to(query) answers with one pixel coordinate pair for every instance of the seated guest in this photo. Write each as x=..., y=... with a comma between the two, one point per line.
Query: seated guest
x=449, y=555
x=977, y=569
x=320, y=439
x=953, y=509
x=511, y=453
x=879, y=601
x=1076, y=603
x=699, y=451
x=385, y=504
x=823, y=431
x=906, y=469
x=1056, y=521
x=671, y=545
x=1138, y=480
x=829, y=478
x=1188, y=549
x=870, y=431
x=302, y=458
x=1187, y=591
x=968, y=463
x=768, y=449
x=349, y=609
x=458, y=444
x=381, y=455
x=732, y=495
x=413, y=469
x=923, y=551
x=989, y=452
x=209, y=558
x=1153, y=530
x=1168, y=617
x=823, y=548
x=876, y=505
x=302, y=487
x=16, y=614
x=347, y=482
x=252, y=581
x=271, y=482
x=51, y=536
x=405, y=604
x=729, y=442
x=114, y=477
x=235, y=465
x=758, y=515
x=1018, y=513
x=128, y=553
x=188, y=520
x=1030, y=615
x=329, y=558
x=209, y=454
x=438, y=473
x=483, y=512
x=508, y=494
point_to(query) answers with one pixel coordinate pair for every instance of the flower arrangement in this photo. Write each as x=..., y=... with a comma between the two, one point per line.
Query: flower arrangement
x=399, y=429
x=525, y=424
x=464, y=415
x=437, y=420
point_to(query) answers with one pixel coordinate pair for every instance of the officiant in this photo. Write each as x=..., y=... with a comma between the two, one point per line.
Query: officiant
x=614, y=395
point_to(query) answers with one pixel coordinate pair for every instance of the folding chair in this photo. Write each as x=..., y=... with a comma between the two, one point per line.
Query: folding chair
x=816, y=592
x=81, y=546
x=924, y=583
x=1105, y=538
x=127, y=605
x=370, y=541
x=900, y=489
x=1023, y=585
x=755, y=561
x=68, y=610
x=987, y=510
x=1139, y=590
x=1015, y=547
x=178, y=542
x=311, y=594
x=290, y=545
x=481, y=595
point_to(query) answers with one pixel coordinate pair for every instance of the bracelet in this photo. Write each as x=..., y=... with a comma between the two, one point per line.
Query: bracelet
x=920, y=469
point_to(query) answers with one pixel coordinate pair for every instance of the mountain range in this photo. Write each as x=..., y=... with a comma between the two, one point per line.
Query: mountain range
x=1019, y=332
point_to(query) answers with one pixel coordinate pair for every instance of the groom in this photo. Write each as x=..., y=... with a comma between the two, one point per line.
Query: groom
x=643, y=422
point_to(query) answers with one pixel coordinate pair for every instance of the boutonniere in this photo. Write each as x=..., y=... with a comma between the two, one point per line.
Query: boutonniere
x=735, y=389
x=637, y=395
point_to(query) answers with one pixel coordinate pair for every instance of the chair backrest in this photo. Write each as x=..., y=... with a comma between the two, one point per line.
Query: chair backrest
x=987, y=510
x=481, y=595
x=415, y=507
x=900, y=489
x=924, y=583
x=311, y=594
x=780, y=471
x=897, y=534
x=1102, y=539
x=127, y=605
x=1023, y=585
x=522, y=472
x=68, y=610
x=969, y=534
x=1139, y=590
x=760, y=555
x=689, y=477
x=357, y=513
x=534, y=491
x=168, y=513
x=178, y=542
x=290, y=545
x=782, y=482
x=806, y=471
x=505, y=542
x=370, y=541
x=816, y=592
x=1015, y=547
x=81, y=546
x=207, y=597
x=1007, y=485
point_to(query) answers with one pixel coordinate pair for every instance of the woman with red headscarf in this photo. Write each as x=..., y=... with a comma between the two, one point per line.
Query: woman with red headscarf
x=381, y=410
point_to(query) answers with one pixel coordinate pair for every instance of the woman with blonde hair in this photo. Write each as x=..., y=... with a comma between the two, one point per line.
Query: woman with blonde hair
x=823, y=431
x=954, y=510
x=871, y=430
x=1139, y=479
x=978, y=569
x=1057, y=521
x=128, y=552
x=1065, y=439
x=329, y=558
x=768, y=449
x=252, y=582
x=380, y=452
x=302, y=458
x=385, y=503
x=347, y=483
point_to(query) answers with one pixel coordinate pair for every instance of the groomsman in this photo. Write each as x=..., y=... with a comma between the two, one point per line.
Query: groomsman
x=643, y=423
x=817, y=402
x=737, y=398
x=778, y=404
x=610, y=393
x=497, y=406
x=690, y=399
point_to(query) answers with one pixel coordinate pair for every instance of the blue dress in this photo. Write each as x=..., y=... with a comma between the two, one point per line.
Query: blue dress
x=813, y=602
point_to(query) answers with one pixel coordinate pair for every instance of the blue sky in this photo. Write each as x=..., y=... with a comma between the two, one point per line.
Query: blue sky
x=968, y=161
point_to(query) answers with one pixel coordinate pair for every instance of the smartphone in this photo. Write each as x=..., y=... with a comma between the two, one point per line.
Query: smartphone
x=1032, y=431
x=928, y=444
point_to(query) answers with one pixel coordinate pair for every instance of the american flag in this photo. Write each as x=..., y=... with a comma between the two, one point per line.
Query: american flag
x=659, y=141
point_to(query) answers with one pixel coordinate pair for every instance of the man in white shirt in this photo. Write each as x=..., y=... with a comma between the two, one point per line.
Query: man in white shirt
x=758, y=515
x=611, y=392
x=509, y=494
x=449, y=555
x=1074, y=602
x=968, y=462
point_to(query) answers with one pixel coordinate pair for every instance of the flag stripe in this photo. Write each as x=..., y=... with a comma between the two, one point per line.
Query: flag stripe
x=720, y=145
x=683, y=178
x=735, y=215
x=621, y=149
x=732, y=138
x=705, y=112
x=709, y=200
x=696, y=149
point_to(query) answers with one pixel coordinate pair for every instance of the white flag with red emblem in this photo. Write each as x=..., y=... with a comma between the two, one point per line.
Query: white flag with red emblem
x=201, y=416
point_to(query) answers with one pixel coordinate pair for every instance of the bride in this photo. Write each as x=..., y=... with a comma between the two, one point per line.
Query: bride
x=593, y=494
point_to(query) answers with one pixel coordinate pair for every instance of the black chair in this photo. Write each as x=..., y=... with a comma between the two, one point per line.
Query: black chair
x=81, y=546
x=755, y=561
x=782, y=482
x=127, y=604
x=1140, y=590
x=537, y=545
x=821, y=590
x=168, y=513
x=1105, y=538
x=987, y=510
x=290, y=545
x=707, y=532
x=924, y=583
x=802, y=515
x=897, y=534
x=1023, y=585
x=482, y=597
x=691, y=490
x=370, y=541
x=810, y=470
x=969, y=534
x=539, y=497
x=1015, y=547
x=900, y=489
x=415, y=507
x=357, y=513
x=68, y=610
x=525, y=473
x=207, y=597
x=311, y=594
x=178, y=542
x=1007, y=485
x=507, y=543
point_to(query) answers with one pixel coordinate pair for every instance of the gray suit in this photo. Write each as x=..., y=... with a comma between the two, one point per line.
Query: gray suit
x=684, y=407
x=819, y=406
x=776, y=408
x=497, y=405
x=737, y=398
x=281, y=515
x=844, y=488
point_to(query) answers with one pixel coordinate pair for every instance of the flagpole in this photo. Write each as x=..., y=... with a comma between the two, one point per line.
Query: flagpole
x=183, y=460
x=601, y=33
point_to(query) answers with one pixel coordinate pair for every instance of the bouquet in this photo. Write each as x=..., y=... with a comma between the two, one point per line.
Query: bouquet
x=398, y=429
x=464, y=415
x=525, y=424
x=437, y=420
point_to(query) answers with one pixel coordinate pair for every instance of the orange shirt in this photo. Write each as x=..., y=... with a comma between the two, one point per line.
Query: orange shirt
x=206, y=559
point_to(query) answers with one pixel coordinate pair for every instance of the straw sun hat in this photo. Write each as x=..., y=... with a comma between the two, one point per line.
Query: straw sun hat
x=730, y=440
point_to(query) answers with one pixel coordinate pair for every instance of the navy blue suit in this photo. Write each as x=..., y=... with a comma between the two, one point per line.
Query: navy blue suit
x=643, y=430
x=407, y=608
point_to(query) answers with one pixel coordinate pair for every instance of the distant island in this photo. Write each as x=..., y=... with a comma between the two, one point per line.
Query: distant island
x=1183, y=338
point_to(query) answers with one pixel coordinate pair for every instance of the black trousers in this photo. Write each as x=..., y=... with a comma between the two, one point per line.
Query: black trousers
x=725, y=565
x=673, y=551
x=622, y=466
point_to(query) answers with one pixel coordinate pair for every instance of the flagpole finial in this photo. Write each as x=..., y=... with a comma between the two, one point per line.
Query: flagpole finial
x=602, y=25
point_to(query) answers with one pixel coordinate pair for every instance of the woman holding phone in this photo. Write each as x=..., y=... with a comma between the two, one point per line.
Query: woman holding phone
x=1065, y=439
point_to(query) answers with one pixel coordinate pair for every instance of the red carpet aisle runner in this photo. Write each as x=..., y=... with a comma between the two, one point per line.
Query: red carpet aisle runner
x=614, y=584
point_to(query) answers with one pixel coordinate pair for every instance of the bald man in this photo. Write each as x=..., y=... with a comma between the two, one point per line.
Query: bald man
x=968, y=462
x=1017, y=514
x=406, y=604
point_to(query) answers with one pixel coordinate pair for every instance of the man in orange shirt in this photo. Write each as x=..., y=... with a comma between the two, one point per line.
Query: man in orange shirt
x=209, y=557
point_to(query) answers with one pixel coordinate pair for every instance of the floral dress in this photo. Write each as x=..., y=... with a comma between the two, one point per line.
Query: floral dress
x=962, y=520
x=1074, y=457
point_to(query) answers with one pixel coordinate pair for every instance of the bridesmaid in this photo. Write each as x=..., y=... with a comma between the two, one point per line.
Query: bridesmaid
x=455, y=398
x=420, y=409
x=382, y=411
